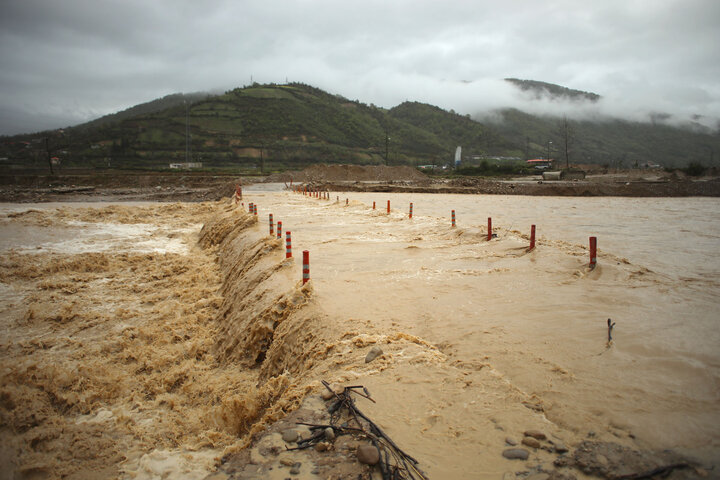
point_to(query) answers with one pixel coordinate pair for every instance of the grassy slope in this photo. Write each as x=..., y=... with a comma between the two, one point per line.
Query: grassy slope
x=294, y=125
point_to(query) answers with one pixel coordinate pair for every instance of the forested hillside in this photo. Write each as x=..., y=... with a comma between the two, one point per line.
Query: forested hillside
x=275, y=127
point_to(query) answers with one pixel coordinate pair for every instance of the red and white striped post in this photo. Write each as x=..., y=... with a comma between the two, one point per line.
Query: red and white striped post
x=593, y=252
x=255, y=210
x=373, y=205
x=489, y=228
x=306, y=266
x=452, y=216
x=532, y=237
x=388, y=208
x=272, y=226
x=279, y=230
x=250, y=207
x=288, y=245
x=410, y=216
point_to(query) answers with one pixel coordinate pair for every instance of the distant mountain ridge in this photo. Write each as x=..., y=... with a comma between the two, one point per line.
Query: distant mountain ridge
x=153, y=106
x=541, y=90
x=294, y=125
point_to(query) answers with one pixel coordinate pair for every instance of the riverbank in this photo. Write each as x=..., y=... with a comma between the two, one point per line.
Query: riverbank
x=218, y=349
x=198, y=186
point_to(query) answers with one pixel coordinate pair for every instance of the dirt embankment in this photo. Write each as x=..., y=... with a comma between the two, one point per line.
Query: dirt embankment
x=636, y=183
x=361, y=178
x=686, y=188
x=117, y=186
x=352, y=173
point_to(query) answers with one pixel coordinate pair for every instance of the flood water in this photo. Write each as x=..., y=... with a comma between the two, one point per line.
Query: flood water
x=538, y=319
x=482, y=339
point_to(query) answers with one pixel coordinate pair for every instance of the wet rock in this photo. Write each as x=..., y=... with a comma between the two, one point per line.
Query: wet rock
x=295, y=469
x=288, y=462
x=290, y=436
x=511, y=441
x=373, y=354
x=368, y=454
x=322, y=447
x=516, y=453
x=560, y=447
x=611, y=460
x=329, y=434
x=336, y=390
x=531, y=442
x=535, y=434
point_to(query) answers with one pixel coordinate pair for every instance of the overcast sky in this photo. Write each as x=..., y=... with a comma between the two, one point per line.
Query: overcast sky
x=65, y=62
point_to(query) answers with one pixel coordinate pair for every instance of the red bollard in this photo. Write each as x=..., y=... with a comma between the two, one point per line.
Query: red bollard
x=410, y=210
x=250, y=207
x=489, y=228
x=373, y=205
x=388, y=209
x=532, y=237
x=272, y=229
x=347, y=201
x=279, y=230
x=255, y=210
x=593, y=252
x=453, y=218
x=288, y=245
x=306, y=266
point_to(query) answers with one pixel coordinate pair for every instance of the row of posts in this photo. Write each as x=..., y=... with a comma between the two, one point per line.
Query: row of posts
x=288, y=241
x=326, y=195
x=317, y=193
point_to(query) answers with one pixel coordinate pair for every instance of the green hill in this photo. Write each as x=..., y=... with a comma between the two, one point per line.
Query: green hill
x=610, y=142
x=272, y=127
x=556, y=92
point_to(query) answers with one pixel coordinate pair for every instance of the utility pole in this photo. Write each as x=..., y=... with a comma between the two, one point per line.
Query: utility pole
x=47, y=149
x=549, y=143
x=566, y=137
x=187, y=131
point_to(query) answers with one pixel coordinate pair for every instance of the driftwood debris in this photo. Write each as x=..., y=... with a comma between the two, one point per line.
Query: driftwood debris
x=394, y=464
x=611, y=324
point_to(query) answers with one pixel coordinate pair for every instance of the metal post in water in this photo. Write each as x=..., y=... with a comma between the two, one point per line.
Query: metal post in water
x=279, y=230
x=272, y=229
x=532, y=237
x=410, y=210
x=593, y=252
x=306, y=266
x=288, y=245
x=489, y=229
x=388, y=208
x=453, y=218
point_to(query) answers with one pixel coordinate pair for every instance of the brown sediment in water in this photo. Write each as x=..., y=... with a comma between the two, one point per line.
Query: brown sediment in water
x=168, y=361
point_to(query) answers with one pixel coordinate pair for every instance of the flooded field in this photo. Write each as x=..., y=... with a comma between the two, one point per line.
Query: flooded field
x=136, y=345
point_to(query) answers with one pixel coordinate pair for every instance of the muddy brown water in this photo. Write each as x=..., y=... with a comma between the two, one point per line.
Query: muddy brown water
x=482, y=340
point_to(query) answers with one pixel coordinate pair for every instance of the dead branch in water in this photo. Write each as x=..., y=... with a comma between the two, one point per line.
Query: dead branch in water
x=394, y=462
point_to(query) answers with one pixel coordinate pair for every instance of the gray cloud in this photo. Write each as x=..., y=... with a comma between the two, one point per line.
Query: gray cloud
x=67, y=62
